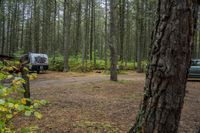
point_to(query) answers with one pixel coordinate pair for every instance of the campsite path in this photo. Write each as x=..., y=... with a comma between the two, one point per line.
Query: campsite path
x=82, y=103
x=58, y=79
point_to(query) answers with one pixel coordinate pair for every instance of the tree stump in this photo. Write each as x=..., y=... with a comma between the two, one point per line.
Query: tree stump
x=26, y=85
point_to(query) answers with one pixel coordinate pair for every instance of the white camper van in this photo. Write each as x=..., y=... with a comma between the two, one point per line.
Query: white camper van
x=38, y=62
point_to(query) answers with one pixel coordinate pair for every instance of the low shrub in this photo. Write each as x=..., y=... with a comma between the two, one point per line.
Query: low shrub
x=12, y=103
x=75, y=64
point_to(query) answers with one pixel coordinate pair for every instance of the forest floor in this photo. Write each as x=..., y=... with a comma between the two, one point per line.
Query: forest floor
x=90, y=103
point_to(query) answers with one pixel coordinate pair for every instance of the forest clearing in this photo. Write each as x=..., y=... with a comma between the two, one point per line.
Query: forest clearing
x=89, y=102
x=99, y=66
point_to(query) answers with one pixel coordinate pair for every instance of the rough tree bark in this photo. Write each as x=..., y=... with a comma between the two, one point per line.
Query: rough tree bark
x=86, y=36
x=106, y=33
x=66, y=34
x=28, y=32
x=22, y=28
x=44, y=27
x=112, y=43
x=92, y=28
x=128, y=34
x=166, y=76
x=36, y=26
x=78, y=27
x=3, y=27
x=54, y=30
x=122, y=28
x=26, y=85
x=137, y=33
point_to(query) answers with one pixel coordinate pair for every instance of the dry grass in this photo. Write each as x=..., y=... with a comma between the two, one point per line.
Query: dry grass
x=84, y=103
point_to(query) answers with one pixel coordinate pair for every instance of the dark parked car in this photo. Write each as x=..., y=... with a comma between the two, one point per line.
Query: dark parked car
x=194, y=71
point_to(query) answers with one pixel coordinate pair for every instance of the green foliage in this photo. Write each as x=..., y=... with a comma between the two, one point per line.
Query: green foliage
x=12, y=104
x=126, y=66
x=56, y=64
x=75, y=64
x=19, y=53
x=144, y=64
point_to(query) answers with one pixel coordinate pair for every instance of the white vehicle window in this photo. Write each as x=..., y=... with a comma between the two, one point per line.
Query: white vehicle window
x=38, y=59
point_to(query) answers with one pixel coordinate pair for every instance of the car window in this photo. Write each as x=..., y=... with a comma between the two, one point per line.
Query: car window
x=195, y=63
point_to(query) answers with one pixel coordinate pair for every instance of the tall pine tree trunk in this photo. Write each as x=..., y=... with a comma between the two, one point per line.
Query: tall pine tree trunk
x=106, y=34
x=3, y=27
x=92, y=29
x=86, y=36
x=78, y=27
x=22, y=28
x=66, y=34
x=113, y=42
x=122, y=27
x=36, y=26
x=169, y=61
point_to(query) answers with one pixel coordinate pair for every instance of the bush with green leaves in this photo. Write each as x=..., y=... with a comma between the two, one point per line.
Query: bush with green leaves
x=75, y=64
x=12, y=103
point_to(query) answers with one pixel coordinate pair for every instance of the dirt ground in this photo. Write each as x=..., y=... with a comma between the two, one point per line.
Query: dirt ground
x=90, y=103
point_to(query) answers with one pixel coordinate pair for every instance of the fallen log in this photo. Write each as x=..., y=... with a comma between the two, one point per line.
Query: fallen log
x=5, y=57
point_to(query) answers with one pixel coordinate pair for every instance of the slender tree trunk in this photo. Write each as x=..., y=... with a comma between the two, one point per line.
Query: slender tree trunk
x=106, y=34
x=85, y=44
x=92, y=29
x=65, y=37
x=54, y=32
x=140, y=33
x=49, y=26
x=44, y=27
x=128, y=32
x=167, y=72
x=198, y=56
x=22, y=29
x=8, y=28
x=66, y=34
x=1, y=23
x=113, y=43
x=13, y=29
x=3, y=28
x=28, y=33
x=145, y=37
x=58, y=30
x=36, y=26
x=122, y=27
x=78, y=28
x=26, y=85
x=137, y=46
x=94, y=33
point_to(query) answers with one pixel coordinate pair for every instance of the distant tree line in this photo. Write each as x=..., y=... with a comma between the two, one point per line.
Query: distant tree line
x=79, y=28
